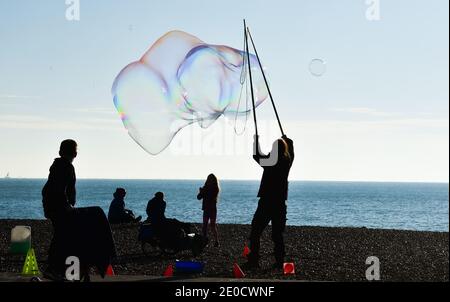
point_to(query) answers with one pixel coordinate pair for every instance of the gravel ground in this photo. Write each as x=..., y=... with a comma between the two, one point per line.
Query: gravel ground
x=319, y=253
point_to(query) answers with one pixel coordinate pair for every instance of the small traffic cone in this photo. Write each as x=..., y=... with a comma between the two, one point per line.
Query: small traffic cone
x=237, y=272
x=169, y=271
x=289, y=268
x=30, y=267
x=246, y=251
x=110, y=271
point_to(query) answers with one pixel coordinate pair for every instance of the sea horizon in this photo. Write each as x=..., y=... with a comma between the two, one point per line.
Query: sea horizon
x=416, y=206
x=235, y=179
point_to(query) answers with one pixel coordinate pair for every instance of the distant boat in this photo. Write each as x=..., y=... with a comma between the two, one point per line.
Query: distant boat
x=7, y=176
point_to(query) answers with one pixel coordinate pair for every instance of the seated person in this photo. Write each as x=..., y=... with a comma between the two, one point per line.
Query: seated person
x=156, y=209
x=172, y=231
x=117, y=212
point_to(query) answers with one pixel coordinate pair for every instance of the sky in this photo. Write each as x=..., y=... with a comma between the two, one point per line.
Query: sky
x=378, y=113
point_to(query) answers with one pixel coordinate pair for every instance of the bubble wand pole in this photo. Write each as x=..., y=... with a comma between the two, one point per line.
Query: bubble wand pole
x=265, y=80
x=251, y=79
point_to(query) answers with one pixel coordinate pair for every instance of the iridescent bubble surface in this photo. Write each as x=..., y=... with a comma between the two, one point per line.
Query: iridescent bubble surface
x=179, y=81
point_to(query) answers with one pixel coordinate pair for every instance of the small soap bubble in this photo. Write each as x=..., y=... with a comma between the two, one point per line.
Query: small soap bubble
x=317, y=67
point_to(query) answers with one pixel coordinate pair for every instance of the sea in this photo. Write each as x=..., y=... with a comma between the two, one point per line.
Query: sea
x=404, y=206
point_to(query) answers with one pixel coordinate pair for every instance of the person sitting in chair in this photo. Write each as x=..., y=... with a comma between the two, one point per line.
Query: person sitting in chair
x=117, y=212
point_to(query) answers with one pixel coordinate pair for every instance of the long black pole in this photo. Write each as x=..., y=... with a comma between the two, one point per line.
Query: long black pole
x=265, y=80
x=251, y=79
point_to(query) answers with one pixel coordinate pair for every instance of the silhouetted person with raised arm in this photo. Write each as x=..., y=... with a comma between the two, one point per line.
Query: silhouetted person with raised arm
x=81, y=232
x=117, y=213
x=210, y=193
x=273, y=193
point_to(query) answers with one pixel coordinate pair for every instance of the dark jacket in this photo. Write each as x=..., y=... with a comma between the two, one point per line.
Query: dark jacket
x=209, y=196
x=59, y=194
x=274, y=181
x=156, y=209
x=116, y=210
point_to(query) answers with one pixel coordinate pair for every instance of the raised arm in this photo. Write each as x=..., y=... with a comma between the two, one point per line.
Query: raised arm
x=257, y=154
x=290, y=144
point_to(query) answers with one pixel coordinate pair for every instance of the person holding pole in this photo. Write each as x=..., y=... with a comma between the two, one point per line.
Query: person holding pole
x=273, y=193
x=273, y=190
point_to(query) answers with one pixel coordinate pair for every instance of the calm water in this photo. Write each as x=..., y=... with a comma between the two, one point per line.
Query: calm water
x=411, y=206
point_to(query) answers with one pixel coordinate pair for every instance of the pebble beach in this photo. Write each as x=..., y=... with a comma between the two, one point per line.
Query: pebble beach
x=319, y=253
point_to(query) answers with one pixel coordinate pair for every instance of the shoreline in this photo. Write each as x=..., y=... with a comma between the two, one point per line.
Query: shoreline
x=198, y=224
x=319, y=253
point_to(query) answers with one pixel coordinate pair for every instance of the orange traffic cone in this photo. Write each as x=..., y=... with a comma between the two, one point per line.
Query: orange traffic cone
x=237, y=272
x=289, y=268
x=110, y=271
x=246, y=251
x=169, y=271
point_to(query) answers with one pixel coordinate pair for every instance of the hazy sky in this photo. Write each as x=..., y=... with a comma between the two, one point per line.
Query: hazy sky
x=380, y=112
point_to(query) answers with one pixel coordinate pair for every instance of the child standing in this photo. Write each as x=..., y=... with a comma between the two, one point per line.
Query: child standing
x=209, y=193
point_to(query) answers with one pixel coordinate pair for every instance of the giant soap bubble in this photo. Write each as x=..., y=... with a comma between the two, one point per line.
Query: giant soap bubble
x=179, y=81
